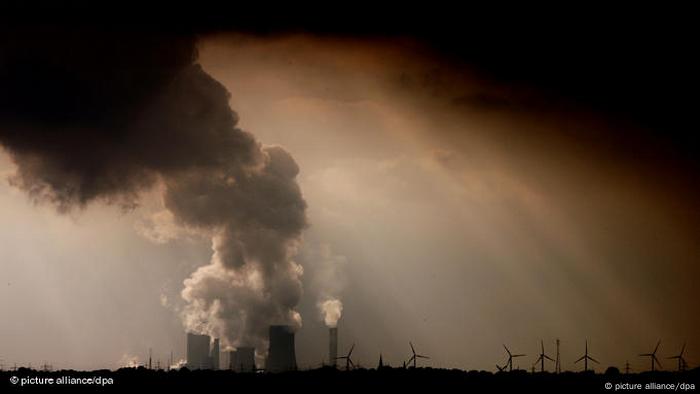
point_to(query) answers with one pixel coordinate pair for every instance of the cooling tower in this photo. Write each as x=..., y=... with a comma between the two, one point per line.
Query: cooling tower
x=198, y=351
x=231, y=357
x=242, y=359
x=214, y=354
x=332, y=345
x=281, y=356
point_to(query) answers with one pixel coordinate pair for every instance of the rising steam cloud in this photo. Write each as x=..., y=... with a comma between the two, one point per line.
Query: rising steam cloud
x=103, y=117
x=331, y=310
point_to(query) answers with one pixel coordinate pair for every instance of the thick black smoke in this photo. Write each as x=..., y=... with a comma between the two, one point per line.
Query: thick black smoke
x=103, y=115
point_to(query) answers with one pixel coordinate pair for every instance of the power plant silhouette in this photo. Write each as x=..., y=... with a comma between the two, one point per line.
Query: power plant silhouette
x=332, y=346
x=203, y=352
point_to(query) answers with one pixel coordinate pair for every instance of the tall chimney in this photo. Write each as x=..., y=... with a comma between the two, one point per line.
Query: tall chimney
x=281, y=356
x=332, y=345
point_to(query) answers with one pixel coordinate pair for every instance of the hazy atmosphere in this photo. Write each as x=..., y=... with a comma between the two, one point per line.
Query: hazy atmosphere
x=441, y=201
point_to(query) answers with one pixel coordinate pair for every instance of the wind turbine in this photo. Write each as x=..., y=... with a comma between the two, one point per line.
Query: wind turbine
x=585, y=359
x=348, y=360
x=414, y=358
x=511, y=356
x=542, y=357
x=681, y=360
x=652, y=356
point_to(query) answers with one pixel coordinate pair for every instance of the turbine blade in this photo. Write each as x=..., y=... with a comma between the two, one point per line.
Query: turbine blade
x=547, y=357
x=592, y=359
x=419, y=356
x=582, y=357
x=682, y=349
x=351, y=349
x=412, y=349
x=504, y=346
x=657, y=346
x=658, y=362
x=519, y=355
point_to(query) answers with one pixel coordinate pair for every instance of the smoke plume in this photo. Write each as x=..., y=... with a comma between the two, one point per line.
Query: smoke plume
x=93, y=116
x=327, y=279
x=331, y=310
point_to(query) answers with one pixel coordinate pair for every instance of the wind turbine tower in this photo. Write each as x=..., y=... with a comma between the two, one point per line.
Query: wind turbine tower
x=585, y=359
x=542, y=357
x=681, y=360
x=511, y=356
x=652, y=356
x=414, y=358
x=348, y=360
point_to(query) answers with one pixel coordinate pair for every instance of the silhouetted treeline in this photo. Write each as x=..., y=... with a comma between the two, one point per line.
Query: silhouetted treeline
x=329, y=380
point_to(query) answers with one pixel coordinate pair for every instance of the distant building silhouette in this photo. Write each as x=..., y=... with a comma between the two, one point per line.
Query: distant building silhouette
x=242, y=359
x=201, y=352
x=281, y=356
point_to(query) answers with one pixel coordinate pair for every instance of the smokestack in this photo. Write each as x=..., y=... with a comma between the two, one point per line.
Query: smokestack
x=242, y=359
x=198, y=351
x=281, y=356
x=332, y=345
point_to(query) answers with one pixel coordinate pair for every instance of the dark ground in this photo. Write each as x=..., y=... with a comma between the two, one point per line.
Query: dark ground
x=327, y=380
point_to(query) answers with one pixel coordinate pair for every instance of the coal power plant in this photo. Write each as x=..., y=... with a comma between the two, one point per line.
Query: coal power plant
x=242, y=359
x=281, y=356
x=202, y=352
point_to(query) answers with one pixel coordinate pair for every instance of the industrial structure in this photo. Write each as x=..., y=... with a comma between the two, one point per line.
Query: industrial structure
x=202, y=353
x=242, y=359
x=332, y=345
x=281, y=356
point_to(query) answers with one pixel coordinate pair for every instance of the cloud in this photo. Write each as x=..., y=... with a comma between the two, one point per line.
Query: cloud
x=107, y=115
